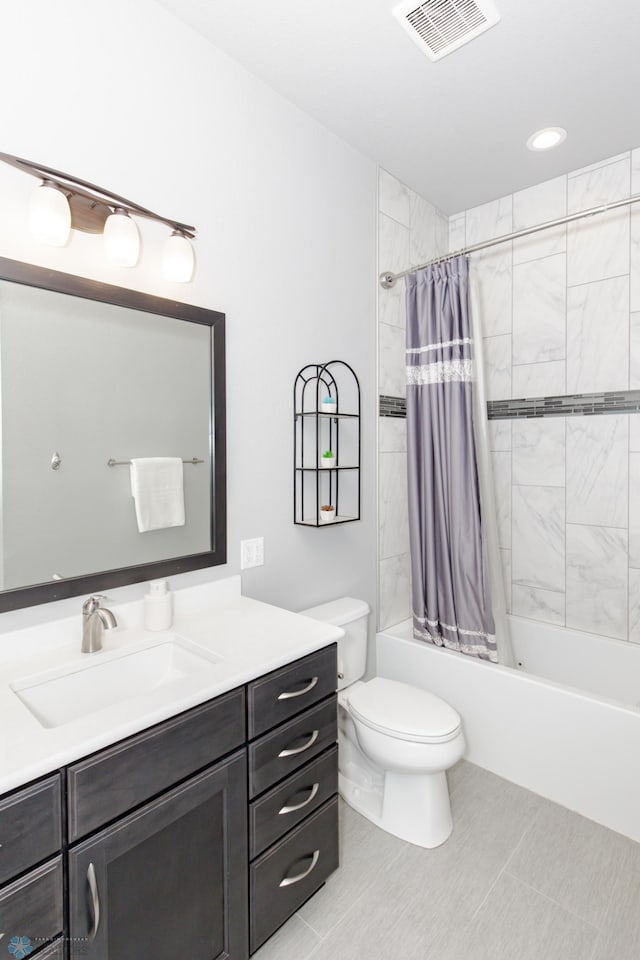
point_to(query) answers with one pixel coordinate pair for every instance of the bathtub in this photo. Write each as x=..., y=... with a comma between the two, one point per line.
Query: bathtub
x=564, y=724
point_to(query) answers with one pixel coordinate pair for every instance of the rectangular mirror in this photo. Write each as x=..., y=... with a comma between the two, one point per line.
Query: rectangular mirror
x=91, y=377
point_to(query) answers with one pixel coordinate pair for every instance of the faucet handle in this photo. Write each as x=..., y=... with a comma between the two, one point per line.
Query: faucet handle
x=93, y=602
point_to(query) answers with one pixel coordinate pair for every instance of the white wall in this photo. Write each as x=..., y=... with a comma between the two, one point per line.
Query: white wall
x=124, y=95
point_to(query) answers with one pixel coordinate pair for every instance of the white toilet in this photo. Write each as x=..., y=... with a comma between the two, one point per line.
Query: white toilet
x=395, y=740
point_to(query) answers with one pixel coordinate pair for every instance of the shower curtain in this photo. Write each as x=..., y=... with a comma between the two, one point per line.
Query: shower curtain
x=450, y=581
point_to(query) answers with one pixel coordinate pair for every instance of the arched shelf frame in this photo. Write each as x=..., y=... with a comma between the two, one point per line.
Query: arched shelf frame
x=327, y=490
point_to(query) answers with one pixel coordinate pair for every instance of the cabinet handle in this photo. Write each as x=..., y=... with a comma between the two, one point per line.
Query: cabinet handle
x=291, y=751
x=95, y=902
x=298, y=806
x=300, y=876
x=290, y=694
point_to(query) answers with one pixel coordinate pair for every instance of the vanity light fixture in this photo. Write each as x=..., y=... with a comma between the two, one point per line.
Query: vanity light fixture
x=178, y=260
x=547, y=138
x=50, y=214
x=121, y=239
x=63, y=202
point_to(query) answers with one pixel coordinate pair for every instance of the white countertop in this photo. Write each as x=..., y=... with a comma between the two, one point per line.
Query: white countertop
x=250, y=638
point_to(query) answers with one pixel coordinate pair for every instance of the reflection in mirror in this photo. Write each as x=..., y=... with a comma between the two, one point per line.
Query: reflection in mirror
x=91, y=374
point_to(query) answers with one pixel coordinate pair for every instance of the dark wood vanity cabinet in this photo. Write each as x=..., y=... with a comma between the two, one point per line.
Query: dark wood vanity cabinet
x=293, y=784
x=168, y=879
x=168, y=872
x=31, y=871
x=200, y=835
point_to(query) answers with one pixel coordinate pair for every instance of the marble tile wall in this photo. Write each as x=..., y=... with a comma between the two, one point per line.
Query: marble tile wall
x=410, y=231
x=560, y=313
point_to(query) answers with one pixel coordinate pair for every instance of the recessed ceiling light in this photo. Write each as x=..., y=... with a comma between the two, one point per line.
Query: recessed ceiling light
x=547, y=138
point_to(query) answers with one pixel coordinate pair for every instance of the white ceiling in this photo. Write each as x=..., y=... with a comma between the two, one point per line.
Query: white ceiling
x=455, y=130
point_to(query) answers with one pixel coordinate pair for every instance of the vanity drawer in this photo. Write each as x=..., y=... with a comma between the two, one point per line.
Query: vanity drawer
x=282, y=808
x=279, y=753
x=284, y=877
x=32, y=906
x=120, y=778
x=278, y=696
x=29, y=827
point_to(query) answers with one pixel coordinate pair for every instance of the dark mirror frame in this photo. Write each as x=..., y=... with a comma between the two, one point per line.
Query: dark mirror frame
x=24, y=273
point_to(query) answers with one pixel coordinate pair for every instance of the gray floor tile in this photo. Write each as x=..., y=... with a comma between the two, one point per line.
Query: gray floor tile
x=387, y=923
x=364, y=851
x=294, y=939
x=620, y=939
x=518, y=923
x=475, y=792
x=572, y=860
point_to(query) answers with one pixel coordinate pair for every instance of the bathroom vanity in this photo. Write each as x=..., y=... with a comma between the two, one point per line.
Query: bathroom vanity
x=201, y=833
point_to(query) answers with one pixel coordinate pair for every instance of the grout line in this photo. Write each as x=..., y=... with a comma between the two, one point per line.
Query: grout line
x=589, y=283
x=309, y=926
x=399, y=223
x=600, y=526
x=556, y=903
x=501, y=872
x=530, y=586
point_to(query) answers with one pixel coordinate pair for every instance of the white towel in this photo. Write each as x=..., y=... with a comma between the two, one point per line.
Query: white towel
x=158, y=491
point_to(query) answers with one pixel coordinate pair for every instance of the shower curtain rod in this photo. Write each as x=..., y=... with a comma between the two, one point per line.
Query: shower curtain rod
x=388, y=279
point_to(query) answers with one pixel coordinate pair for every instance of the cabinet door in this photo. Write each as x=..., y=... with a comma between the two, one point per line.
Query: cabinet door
x=170, y=879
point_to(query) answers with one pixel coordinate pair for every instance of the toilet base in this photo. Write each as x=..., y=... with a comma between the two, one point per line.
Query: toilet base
x=415, y=808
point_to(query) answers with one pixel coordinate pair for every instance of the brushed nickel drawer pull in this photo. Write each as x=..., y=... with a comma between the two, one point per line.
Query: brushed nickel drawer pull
x=291, y=751
x=300, y=876
x=290, y=694
x=298, y=806
x=95, y=902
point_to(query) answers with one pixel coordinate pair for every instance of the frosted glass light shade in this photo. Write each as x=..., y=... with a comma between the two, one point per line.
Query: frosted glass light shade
x=49, y=215
x=121, y=240
x=178, y=259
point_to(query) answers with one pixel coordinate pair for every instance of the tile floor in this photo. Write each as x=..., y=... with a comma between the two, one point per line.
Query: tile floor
x=519, y=879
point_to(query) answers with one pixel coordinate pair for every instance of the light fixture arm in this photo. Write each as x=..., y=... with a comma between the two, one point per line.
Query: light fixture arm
x=74, y=187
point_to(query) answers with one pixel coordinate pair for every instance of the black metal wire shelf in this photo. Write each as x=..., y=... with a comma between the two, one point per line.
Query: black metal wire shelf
x=326, y=469
x=315, y=431
x=329, y=416
x=332, y=523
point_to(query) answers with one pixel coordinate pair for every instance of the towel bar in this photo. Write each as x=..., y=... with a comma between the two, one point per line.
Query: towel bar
x=127, y=463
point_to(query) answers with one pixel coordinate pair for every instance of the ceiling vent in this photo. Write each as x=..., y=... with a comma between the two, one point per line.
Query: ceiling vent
x=441, y=26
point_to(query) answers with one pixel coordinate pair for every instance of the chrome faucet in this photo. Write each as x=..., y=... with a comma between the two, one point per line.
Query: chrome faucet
x=95, y=619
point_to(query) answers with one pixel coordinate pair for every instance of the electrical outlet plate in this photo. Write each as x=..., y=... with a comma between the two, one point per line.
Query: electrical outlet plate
x=251, y=553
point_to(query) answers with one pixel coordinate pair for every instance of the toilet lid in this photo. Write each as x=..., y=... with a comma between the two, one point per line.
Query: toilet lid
x=404, y=711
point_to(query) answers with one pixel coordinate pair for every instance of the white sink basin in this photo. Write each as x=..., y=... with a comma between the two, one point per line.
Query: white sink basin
x=100, y=680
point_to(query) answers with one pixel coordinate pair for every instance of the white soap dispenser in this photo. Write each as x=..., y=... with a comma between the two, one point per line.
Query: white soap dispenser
x=158, y=606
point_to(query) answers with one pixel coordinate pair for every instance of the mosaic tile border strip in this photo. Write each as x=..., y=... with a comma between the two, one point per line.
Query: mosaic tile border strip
x=577, y=405
x=393, y=407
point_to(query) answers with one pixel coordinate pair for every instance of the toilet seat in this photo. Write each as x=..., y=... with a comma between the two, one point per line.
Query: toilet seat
x=403, y=711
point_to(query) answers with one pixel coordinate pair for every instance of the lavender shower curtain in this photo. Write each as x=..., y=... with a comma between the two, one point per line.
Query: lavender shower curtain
x=450, y=583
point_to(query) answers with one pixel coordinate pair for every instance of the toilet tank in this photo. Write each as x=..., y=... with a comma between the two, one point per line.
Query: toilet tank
x=352, y=615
